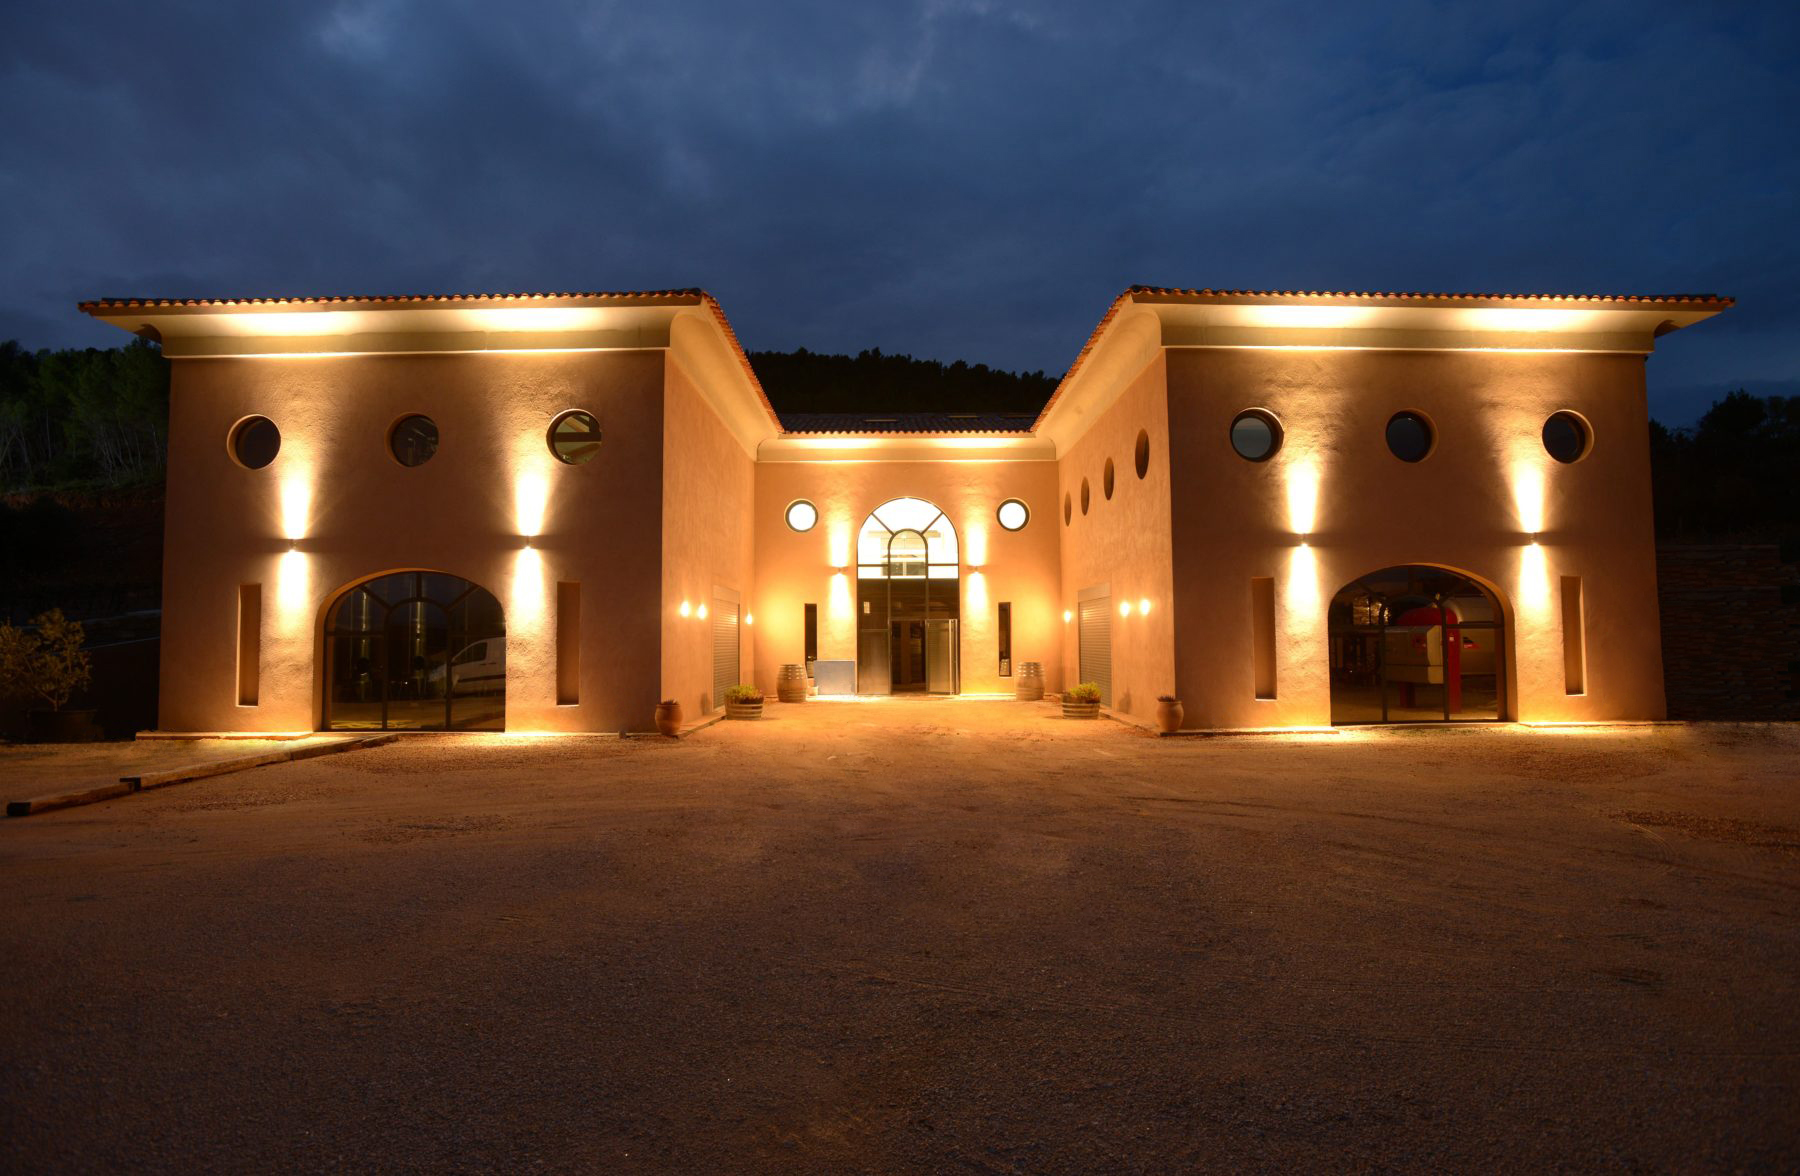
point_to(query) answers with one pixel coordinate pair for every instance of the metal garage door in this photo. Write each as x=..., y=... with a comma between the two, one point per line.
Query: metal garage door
x=1095, y=635
x=725, y=648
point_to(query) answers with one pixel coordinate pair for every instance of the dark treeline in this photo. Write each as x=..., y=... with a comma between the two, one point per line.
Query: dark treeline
x=869, y=381
x=1735, y=473
x=92, y=417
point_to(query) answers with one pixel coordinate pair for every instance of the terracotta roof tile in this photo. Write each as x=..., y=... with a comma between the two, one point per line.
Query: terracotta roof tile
x=1112, y=311
x=918, y=424
x=688, y=295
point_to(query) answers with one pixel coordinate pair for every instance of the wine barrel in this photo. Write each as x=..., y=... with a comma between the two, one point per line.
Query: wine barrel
x=1029, y=685
x=790, y=684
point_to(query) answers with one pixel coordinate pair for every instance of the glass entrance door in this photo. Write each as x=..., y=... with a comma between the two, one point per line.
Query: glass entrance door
x=418, y=651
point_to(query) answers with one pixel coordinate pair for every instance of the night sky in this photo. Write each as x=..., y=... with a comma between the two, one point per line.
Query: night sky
x=952, y=179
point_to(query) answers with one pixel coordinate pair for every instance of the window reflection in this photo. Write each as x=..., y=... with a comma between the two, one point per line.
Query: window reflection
x=416, y=651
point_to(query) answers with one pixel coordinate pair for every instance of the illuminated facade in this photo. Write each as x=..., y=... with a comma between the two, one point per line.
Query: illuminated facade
x=545, y=513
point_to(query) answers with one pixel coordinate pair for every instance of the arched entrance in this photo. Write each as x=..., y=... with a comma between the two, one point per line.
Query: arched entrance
x=1416, y=644
x=908, y=593
x=415, y=651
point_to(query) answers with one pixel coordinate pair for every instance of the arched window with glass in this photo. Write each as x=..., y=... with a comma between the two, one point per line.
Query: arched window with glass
x=908, y=591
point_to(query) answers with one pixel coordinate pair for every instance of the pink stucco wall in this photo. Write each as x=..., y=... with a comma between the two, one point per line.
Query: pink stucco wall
x=1470, y=506
x=707, y=540
x=357, y=513
x=1122, y=542
x=794, y=569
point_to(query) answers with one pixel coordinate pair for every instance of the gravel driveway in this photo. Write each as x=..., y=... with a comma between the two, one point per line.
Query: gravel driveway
x=921, y=937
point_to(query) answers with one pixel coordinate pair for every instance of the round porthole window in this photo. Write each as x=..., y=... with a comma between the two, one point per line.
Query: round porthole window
x=1106, y=480
x=254, y=442
x=1566, y=437
x=1143, y=452
x=413, y=440
x=1255, y=435
x=1068, y=509
x=802, y=515
x=1084, y=496
x=1409, y=436
x=574, y=437
x=1013, y=514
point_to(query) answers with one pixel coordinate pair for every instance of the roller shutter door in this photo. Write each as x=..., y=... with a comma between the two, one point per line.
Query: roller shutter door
x=725, y=649
x=1096, y=644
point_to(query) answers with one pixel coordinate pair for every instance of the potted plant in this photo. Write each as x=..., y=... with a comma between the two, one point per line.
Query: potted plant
x=743, y=702
x=1082, y=702
x=1168, y=713
x=47, y=665
x=668, y=716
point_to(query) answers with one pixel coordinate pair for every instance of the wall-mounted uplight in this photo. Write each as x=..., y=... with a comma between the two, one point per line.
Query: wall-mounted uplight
x=701, y=612
x=1067, y=616
x=749, y=618
x=1144, y=606
x=1124, y=608
x=686, y=609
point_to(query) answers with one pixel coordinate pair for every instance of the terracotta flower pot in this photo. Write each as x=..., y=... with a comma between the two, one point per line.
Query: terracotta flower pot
x=1169, y=715
x=1080, y=710
x=668, y=717
x=743, y=710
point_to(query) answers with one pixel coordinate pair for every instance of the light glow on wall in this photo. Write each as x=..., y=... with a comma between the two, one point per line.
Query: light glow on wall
x=1303, y=593
x=1534, y=580
x=839, y=606
x=531, y=501
x=296, y=504
x=749, y=618
x=1124, y=608
x=686, y=609
x=837, y=541
x=292, y=589
x=1528, y=495
x=975, y=542
x=700, y=612
x=1144, y=607
x=1303, y=497
x=976, y=589
x=528, y=606
x=1068, y=615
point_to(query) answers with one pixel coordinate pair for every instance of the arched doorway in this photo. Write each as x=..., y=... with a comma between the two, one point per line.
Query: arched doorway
x=908, y=589
x=415, y=651
x=1416, y=644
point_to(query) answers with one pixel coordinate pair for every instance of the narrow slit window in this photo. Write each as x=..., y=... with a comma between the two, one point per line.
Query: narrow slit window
x=249, y=643
x=1006, y=639
x=1574, y=638
x=812, y=636
x=1262, y=629
x=568, y=643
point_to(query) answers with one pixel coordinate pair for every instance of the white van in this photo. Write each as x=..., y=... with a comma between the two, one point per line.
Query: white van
x=480, y=668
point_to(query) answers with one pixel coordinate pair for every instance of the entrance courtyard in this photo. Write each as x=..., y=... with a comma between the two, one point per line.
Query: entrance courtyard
x=921, y=935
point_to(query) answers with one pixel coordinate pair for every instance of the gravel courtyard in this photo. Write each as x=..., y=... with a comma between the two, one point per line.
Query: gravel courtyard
x=959, y=936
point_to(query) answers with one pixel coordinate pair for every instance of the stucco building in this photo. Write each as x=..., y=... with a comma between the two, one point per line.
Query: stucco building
x=547, y=512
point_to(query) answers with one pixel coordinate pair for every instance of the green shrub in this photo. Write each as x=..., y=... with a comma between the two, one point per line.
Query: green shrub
x=48, y=664
x=1086, y=692
x=743, y=694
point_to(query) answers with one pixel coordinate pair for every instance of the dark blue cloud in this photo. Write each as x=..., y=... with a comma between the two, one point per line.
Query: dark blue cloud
x=955, y=179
